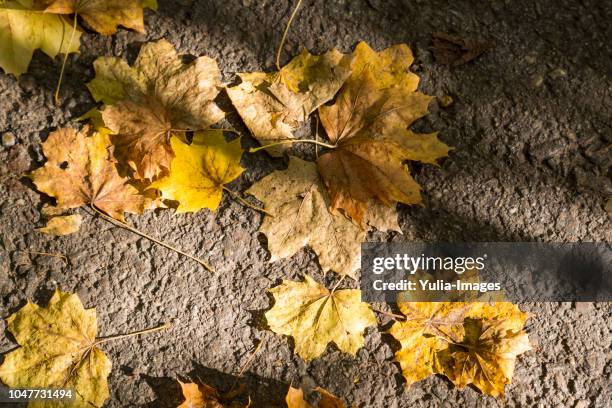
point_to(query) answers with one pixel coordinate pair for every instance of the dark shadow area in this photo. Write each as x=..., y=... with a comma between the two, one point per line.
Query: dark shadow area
x=167, y=391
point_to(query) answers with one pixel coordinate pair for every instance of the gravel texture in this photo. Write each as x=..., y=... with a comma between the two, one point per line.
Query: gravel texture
x=531, y=128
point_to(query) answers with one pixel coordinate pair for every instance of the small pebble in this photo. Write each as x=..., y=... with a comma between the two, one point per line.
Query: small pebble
x=445, y=101
x=557, y=73
x=531, y=59
x=8, y=139
x=537, y=81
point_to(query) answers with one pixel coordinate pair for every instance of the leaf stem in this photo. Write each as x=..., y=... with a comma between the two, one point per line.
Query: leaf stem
x=53, y=254
x=338, y=284
x=393, y=315
x=244, y=202
x=282, y=142
x=249, y=361
x=59, y=82
x=282, y=43
x=100, y=340
x=123, y=225
x=317, y=135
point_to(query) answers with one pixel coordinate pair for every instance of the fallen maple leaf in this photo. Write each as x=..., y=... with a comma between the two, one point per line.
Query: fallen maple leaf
x=368, y=125
x=315, y=317
x=102, y=15
x=62, y=225
x=204, y=396
x=199, y=171
x=58, y=350
x=273, y=105
x=299, y=203
x=79, y=171
x=471, y=343
x=295, y=399
x=453, y=49
x=23, y=30
x=428, y=329
x=159, y=97
x=486, y=357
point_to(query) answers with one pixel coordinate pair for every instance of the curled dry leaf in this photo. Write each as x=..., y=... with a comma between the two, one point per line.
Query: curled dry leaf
x=315, y=317
x=80, y=171
x=470, y=343
x=23, y=30
x=102, y=15
x=204, y=396
x=57, y=350
x=368, y=125
x=199, y=171
x=274, y=104
x=295, y=399
x=157, y=98
x=62, y=225
x=297, y=199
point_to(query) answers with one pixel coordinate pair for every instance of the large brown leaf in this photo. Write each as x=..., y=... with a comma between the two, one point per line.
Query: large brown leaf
x=368, y=125
x=157, y=98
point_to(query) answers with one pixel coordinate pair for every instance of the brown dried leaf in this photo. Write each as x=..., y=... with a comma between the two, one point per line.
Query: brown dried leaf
x=368, y=124
x=273, y=105
x=80, y=171
x=157, y=98
x=453, y=49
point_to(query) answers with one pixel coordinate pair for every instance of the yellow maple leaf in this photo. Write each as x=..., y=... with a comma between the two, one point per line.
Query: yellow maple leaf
x=23, y=30
x=274, y=104
x=62, y=225
x=486, y=357
x=315, y=317
x=368, y=126
x=155, y=99
x=428, y=329
x=79, y=171
x=204, y=396
x=58, y=350
x=295, y=399
x=199, y=171
x=102, y=15
x=299, y=203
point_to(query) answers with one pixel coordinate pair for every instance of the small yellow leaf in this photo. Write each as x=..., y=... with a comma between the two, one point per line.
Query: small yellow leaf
x=23, y=30
x=57, y=350
x=62, y=225
x=315, y=317
x=199, y=171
